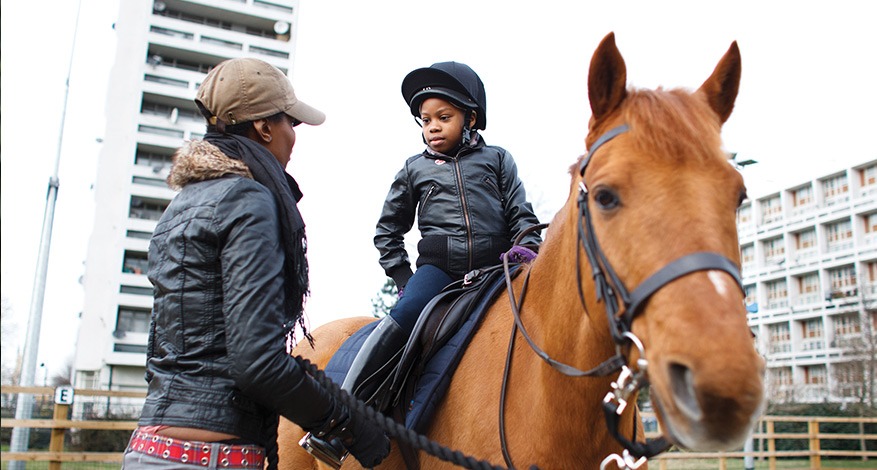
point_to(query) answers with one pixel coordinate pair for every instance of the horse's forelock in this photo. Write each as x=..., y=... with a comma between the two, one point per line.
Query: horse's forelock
x=672, y=123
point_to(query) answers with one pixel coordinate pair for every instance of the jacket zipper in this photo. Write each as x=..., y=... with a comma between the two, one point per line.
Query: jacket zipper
x=425, y=199
x=470, y=243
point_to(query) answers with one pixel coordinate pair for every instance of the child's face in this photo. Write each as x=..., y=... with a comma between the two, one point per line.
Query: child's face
x=442, y=124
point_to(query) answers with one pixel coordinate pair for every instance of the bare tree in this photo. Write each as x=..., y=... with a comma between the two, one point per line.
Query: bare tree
x=856, y=376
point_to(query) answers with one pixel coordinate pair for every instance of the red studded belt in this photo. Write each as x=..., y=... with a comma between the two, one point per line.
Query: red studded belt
x=203, y=454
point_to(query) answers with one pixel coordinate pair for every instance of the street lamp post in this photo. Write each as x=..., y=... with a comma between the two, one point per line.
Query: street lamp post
x=24, y=405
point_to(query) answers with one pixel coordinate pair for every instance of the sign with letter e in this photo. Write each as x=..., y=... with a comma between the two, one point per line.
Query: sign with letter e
x=64, y=395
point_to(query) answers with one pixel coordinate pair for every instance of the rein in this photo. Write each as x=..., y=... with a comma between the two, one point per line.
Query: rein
x=609, y=289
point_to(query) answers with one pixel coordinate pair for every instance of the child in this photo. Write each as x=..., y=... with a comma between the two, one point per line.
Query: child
x=468, y=199
x=470, y=205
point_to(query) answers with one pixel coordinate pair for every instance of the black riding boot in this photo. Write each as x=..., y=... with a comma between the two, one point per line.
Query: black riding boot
x=375, y=360
x=370, y=368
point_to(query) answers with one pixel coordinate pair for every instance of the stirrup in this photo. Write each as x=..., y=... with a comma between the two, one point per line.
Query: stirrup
x=331, y=452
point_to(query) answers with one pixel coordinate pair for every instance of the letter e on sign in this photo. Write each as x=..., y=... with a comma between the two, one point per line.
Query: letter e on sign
x=64, y=395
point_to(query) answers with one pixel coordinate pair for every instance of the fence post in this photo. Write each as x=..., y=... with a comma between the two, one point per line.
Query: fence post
x=56, y=444
x=813, y=430
x=771, y=446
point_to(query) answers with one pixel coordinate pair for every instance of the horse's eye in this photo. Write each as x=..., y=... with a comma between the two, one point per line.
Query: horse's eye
x=606, y=199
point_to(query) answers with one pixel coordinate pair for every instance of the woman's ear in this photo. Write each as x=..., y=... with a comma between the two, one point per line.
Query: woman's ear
x=472, y=118
x=261, y=130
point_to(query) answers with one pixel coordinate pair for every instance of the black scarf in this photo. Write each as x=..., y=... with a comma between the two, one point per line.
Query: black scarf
x=267, y=171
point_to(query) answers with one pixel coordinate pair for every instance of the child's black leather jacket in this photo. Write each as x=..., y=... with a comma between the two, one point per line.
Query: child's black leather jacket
x=469, y=208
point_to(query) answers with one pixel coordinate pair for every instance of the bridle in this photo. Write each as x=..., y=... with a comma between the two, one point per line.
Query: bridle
x=610, y=289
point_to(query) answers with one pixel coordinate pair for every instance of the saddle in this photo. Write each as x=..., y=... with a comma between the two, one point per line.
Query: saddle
x=417, y=377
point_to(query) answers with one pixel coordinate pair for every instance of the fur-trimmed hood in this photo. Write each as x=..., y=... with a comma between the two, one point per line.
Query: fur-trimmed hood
x=199, y=160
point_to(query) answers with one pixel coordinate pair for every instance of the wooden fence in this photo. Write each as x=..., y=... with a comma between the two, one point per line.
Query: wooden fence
x=765, y=436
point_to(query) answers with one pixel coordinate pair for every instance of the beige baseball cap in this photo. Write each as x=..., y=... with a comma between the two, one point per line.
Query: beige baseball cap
x=245, y=89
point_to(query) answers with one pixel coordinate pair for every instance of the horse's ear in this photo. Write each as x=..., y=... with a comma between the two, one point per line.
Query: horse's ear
x=607, y=78
x=722, y=86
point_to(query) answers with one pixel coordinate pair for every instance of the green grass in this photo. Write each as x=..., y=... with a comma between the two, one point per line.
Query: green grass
x=785, y=464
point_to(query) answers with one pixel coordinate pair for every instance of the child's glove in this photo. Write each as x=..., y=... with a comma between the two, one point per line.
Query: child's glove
x=519, y=254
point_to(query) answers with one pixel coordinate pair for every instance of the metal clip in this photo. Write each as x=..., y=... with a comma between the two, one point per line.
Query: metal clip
x=624, y=461
x=621, y=390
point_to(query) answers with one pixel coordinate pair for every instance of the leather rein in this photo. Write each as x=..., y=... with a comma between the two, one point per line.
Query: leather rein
x=609, y=289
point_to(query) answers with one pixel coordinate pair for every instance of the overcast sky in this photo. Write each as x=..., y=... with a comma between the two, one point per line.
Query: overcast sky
x=807, y=106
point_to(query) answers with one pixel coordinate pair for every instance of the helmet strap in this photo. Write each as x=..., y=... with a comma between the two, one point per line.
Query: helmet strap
x=467, y=129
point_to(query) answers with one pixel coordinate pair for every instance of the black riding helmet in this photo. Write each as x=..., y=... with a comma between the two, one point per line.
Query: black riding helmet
x=452, y=81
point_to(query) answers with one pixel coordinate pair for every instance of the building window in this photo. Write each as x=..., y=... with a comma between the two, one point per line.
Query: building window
x=780, y=338
x=869, y=177
x=171, y=32
x=780, y=376
x=744, y=214
x=850, y=378
x=777, y=293
x=161, y=131
x=147, y=209
x=269, y=52
x=811, y=334
x=870, y=287
x=132, y=320
x=843, y=281
x=815, y=375
x=835, y=189
x=158, y=161
x=167, y=61
x=839, y=235
x=89, y=379
x=138, y=234
x=802, y=196
x=135, y=290
x=846, y=325
x=747, y=255
x=774, y=249
x=870, y=223
x=171, y=112
x=135, y=262
x=130, y=348
x=158, y=182
x=808, y=288
x=771, y=209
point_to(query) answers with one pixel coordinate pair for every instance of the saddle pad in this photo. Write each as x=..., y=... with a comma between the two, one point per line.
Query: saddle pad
x=341, y=361
x=436, y=377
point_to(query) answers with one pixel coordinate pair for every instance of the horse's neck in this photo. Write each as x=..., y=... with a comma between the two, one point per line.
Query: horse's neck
x=568, y=332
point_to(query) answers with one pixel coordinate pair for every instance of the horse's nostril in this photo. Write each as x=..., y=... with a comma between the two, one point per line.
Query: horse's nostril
x=682, y=384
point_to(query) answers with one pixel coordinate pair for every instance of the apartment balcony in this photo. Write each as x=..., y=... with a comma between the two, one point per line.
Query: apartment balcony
x=813, y=344
x=217, y=42
x=812, y=393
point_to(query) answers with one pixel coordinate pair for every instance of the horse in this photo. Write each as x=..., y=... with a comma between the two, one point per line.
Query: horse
x=651, y=205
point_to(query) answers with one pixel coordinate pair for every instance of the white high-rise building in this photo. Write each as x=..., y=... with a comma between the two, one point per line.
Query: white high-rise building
x=165, y=48
x=809, y=258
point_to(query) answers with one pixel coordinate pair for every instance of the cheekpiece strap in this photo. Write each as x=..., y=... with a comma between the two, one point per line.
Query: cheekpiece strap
x=609, y=135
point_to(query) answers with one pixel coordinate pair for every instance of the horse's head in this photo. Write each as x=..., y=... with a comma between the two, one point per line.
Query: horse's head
x=660, y=190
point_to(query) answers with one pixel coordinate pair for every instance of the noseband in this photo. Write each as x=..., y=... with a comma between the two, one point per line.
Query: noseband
x=610, y=289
